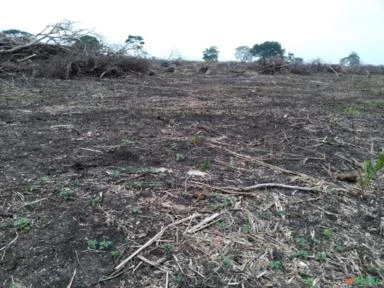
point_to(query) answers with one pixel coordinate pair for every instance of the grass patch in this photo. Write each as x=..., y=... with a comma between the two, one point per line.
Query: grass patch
x=104, y=245
x=275, y=265
x=21, y=224
x=67, y=194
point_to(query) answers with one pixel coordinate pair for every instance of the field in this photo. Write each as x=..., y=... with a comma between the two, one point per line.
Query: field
x=188, y=179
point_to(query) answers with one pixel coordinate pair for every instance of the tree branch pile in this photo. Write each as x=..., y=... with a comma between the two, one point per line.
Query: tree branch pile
x=60, y=51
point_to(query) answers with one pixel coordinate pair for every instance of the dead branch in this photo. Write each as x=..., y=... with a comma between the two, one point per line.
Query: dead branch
x=279, y=185
x=58, y=34
x=73, y=277
x=204, y=223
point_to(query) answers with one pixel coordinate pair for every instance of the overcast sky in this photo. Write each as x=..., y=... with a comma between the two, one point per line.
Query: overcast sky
x=326, y=29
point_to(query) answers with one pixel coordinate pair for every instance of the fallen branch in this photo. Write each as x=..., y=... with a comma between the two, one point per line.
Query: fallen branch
x=243, y=190
x=204, y=223
x=8, y=245
x=26, y=58
x=279, y=185
x=154, y=264
x=233, y=191
x=333, y=70
x=73, y=277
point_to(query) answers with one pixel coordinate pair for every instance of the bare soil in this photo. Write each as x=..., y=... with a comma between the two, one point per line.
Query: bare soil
x=93, y=169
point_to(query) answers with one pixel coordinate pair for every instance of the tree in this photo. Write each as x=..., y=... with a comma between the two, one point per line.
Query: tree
x=88, y=43
x=211, y=54
x=18, y=34
x=353, y=59
x=243, y=54
x=135, y=44
x=267, y=49
x=294, y=60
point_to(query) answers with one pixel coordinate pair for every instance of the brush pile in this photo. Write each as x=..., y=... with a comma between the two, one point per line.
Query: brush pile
x=61, y=52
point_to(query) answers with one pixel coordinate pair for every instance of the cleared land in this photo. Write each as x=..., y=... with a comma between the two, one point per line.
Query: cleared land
x=91, y=170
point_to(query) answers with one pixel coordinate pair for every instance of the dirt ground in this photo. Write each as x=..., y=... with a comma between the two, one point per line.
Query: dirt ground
x=92, y=170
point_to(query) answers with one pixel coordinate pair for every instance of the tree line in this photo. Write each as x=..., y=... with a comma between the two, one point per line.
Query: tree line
x=134, y=46
x=270, y=49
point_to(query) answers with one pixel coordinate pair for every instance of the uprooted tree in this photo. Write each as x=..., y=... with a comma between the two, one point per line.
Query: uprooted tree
x=60, y=36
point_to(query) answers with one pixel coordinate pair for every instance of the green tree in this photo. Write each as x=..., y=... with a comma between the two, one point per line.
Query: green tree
x=211, y=54
x=243, y=54
x=267, y=49
x=135, y=44
x=88, y=43
x=353, y=59
x=17, y=34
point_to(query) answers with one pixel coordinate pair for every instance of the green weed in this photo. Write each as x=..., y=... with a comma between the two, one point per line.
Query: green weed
x=321, y=256
x=92, y=244
x=127, y=141
x=136, y=211
x=117, y=172
x=226, y=260
x=301, y=254
x=105, y=245
x=351, y=112
x=21, y=224
x=95, y=201
x=246, y=227
x=328, y=233
x=168, y=246
x=221, y=226
x=370, y=170
x=205, y=165
x=67, y=194
x=275, y=265
x=281, y=213
x=179, y=157
x=368, y=281
x=178, y=279
x=115, y=254
x=339, y=248
x=301, y=242
x=309, y=282
x=102, y=245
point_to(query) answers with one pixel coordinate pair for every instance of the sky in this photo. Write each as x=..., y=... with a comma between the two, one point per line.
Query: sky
x=311, y=29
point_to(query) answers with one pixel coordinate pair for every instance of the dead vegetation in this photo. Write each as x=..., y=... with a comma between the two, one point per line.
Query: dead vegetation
x=61, y=52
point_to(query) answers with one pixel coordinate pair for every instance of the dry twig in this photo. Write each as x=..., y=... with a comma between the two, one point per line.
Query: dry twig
x=204, y=223
x=73, y=277
x=279, y=185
